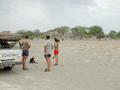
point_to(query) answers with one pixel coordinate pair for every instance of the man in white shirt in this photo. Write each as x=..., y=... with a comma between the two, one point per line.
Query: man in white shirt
x=47, y=52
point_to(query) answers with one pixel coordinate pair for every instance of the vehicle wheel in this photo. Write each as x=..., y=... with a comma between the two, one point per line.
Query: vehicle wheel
x=8, y=68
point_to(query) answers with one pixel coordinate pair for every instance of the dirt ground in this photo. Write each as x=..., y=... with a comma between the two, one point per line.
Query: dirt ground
x=83, y=65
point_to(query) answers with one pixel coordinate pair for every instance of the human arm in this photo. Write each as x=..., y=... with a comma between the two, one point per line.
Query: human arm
x=45, y=47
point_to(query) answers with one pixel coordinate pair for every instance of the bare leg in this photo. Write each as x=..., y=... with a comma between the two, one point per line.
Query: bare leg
x=48, y=64
x=24, y=59
x=56, y=59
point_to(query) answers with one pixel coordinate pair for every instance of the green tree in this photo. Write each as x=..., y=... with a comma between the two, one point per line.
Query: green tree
x=96, y=31
x=118, y=35
x=100, y=35
x=29, y=33
x=112, y=34
x=80, y=31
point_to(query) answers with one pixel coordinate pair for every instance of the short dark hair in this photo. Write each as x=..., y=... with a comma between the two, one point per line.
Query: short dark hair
x=56, y=40
x=47, y=37
x=26, y=37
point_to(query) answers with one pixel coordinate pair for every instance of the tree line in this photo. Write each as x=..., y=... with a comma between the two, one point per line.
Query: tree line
x=76, y=32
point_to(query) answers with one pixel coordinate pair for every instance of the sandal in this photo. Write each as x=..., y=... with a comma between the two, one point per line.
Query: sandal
x=47, y=70
x=25, y=69
x=56, y=64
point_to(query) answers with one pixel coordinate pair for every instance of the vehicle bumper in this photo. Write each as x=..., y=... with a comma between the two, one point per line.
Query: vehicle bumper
x=10, y=63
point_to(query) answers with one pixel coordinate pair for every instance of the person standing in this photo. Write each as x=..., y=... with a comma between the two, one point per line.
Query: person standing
x=56, y=50
x=47, y=52
x=25, y=45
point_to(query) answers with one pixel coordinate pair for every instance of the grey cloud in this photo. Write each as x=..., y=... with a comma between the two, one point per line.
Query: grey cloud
x=67, y=11
x=73, y=2
x=44, y=14
x=80, y=2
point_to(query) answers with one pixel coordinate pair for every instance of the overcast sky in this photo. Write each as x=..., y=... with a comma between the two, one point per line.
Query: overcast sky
x=48, y=14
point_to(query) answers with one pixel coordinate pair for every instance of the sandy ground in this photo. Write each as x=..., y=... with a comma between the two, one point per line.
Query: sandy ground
x=84, y=65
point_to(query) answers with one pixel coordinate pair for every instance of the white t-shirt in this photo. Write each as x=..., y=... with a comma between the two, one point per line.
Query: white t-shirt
x=49, y=47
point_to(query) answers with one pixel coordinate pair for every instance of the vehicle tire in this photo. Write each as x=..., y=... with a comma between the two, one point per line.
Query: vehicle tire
x=8, y=68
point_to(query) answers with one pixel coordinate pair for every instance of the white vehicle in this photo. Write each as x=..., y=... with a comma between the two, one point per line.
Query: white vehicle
x=10, y=51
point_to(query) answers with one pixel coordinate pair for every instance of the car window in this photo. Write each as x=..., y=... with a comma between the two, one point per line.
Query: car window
x=4, y=44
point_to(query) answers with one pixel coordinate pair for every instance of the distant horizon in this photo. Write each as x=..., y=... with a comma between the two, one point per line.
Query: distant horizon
x=46, y=15
x=13, y=31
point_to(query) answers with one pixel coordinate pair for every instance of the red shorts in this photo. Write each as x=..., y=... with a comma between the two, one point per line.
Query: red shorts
x=56, y=52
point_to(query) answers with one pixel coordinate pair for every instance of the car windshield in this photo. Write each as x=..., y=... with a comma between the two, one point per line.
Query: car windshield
x=4, y=44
